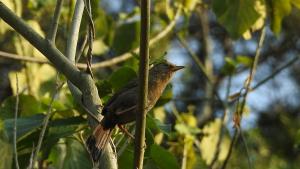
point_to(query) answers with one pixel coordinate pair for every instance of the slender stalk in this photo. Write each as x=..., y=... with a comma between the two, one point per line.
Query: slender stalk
x=52, y=34
x=45, y=122
x=232, y=143
x=139, y=148
x=185, y=154
x=15, y=124
x=242, y=104
x=276, y=72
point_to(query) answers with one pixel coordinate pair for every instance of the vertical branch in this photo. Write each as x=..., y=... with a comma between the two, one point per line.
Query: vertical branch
x=73, y=36
x=15, y=124
x=143, y=85
x=108, y=159
x=52, y=34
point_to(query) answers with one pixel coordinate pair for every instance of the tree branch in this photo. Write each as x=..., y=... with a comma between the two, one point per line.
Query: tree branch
x=52, y=34
x=108, y=159
x=83, y=81
x=139, y=148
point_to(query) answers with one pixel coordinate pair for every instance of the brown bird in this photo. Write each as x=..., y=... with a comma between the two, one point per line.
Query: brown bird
x=122, y=107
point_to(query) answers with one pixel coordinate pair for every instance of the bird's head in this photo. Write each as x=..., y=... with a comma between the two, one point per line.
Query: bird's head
x=164, y=70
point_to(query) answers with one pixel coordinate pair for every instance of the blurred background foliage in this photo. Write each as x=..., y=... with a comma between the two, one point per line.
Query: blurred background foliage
x=187, y=129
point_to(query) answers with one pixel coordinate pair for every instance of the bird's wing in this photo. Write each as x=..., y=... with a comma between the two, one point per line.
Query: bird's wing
x=132, y=84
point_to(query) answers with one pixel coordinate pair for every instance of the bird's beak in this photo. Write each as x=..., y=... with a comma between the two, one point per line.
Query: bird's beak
x=177, y=68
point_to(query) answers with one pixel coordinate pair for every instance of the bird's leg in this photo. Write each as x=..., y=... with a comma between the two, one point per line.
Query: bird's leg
x=125, y=131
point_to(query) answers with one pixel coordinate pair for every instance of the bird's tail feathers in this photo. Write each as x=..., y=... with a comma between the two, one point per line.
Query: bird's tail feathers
x=97, y=141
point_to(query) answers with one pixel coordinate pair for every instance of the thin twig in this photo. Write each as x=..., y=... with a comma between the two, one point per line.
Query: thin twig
x=139, y=148
x=185, y=154
x=194, y=57
x=91, y=36
x=201, y=67
x=23, y=58
x=246, y=88
x=31, y=157
x=81, y=49
x=125, y=145
x=106, y=63
x=15, y=123
x=46, y=120
x=52, y=34
x=232, y=143
x=276, y=72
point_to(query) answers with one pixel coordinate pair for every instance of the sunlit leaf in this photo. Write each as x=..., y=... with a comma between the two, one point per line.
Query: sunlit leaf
x=245, y=60
x=99, y=47
x=16, y=7
x=209, y=142
x=237, y=16
x=6, y=157
x=279, y=9
x=186, y=130
x=163, y=9
x=189, y=5
x=296, y=3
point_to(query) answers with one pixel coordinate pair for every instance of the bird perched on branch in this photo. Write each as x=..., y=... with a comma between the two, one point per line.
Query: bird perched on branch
x=122, y=107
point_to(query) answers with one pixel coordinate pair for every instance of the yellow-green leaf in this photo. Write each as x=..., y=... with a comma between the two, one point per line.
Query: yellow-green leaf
x=236, y=15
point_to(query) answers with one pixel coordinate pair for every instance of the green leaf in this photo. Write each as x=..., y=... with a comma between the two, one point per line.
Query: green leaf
x=163, y=158
x=76, y=156
x=150, y=164
x=125, y=161
x=229, y=66
x=279, y=9
x=245, y=60
x=104, y=88
x=28, y=106
x=6, y=157
x=155, y=124
x=237, y=16
x=121, y=77
x=126, y=37
x=25, y=125
x=187, y=130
